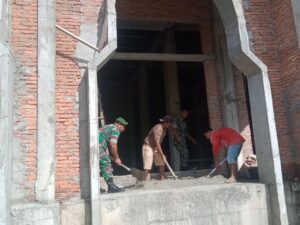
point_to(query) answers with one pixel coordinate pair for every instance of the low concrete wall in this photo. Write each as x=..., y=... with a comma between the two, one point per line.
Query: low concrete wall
x=75, y=213
x=35, y=214
x=237, y=204
x=292, y=196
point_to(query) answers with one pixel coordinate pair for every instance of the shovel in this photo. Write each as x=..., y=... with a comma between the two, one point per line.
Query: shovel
x=170, y=169
x=138, y=174
x=211, y=172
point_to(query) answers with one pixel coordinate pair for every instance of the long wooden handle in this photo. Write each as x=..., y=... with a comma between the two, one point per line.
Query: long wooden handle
x=122, y=165
x=216, y=167
x=170, y=169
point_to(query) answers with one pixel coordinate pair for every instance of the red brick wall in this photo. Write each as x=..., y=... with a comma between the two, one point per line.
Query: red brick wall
x=70, y=15
x=274, y=41
x=289, y=59
x=24, y=46
x=210, y=71
x=187, y=11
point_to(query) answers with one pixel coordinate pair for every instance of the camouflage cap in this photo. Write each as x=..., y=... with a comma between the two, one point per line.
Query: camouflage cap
x=122, y=121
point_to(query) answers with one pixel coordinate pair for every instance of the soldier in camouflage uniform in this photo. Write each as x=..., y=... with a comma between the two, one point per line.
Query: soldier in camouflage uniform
x=108, y=139
x=180, y=135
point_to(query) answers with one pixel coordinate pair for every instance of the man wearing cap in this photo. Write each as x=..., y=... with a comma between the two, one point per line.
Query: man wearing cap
x=152, y=147
x=108, y=139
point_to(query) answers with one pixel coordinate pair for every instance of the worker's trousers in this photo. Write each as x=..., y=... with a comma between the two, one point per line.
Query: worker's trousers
x=106, y=169
x=183, y=151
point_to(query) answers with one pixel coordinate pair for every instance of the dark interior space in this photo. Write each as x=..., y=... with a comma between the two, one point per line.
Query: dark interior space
x=135, y=90
x=193, y=98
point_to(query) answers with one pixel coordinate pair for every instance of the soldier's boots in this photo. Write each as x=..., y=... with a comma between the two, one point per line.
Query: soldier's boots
x=112, y=188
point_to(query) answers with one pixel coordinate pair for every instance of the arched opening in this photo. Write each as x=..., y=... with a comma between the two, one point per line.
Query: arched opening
x=245, y=61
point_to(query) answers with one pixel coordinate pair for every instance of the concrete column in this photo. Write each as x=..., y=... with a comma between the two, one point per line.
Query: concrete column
x=296, y=12
x=225, y=74
x=266, y=144
x=95, y=64
x=172, y=93
x=226, y=84
x=93, y=144
x=143, y=101
x=264, y=128
x=7, y=68
x=45, y=183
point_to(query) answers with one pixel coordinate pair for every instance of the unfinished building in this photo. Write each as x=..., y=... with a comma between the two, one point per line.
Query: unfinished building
x=68, y=67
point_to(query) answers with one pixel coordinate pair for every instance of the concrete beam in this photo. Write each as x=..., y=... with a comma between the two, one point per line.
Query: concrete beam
x=45, y=186
x=161, y=57
x=266, y=143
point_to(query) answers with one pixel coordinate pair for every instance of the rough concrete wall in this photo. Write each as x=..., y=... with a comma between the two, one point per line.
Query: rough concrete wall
x=292, y=195
x=7, y=68
x=37, y=214
x=203, y=205
x=274, y=42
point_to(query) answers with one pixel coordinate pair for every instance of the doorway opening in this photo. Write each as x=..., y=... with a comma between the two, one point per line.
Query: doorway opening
x=137, y=89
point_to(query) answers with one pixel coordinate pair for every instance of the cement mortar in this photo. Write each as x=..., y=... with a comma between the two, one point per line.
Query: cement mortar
x=180, y=183
x=185, y=179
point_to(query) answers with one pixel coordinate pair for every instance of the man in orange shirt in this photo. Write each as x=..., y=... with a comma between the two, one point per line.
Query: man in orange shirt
x=230, y=139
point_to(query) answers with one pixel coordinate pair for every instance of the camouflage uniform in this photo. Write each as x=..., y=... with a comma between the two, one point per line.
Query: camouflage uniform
x=181, y=127
x=108, y=133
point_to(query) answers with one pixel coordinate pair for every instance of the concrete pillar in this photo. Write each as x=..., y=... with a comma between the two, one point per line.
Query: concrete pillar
x=266, y=144
x=93, y=144
x=262, y=111
x=225, y=75
x=95, y=64
x=7, y=68
x=45, y=183
x=296, y=12
x=226, y=84
x=172, y=93
x=143, y=101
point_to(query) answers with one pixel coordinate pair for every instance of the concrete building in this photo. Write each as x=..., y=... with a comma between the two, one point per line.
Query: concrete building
x=233, y=63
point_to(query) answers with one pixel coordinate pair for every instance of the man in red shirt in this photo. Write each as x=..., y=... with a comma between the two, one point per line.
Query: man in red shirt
x=230, y=139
